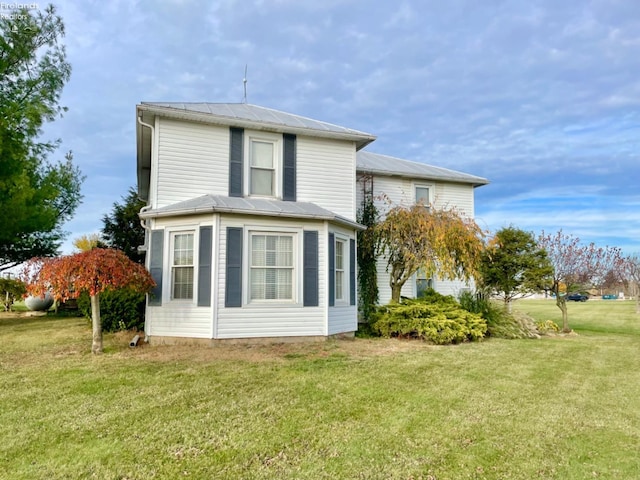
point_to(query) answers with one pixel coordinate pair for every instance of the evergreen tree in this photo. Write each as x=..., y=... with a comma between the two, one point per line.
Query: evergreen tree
x=36, y=196
x=122, y=228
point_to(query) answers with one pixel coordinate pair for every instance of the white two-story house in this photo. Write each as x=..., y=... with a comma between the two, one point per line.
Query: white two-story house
x=251, y=220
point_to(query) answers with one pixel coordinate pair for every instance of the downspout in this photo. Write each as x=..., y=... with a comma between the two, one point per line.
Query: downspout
x=153, y=136
x=143, y=222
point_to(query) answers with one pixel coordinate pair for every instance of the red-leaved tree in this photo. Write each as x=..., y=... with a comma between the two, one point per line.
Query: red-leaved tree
x=574, y=262
x=93, y=271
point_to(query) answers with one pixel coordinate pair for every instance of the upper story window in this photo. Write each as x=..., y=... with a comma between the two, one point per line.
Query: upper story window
x=262, y=168
x=263, y=160
x=423, y=195
x=182, y=266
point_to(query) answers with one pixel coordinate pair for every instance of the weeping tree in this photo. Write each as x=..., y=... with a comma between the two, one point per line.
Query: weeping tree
x=94, y=271
x=574, y=262
x=441, y=242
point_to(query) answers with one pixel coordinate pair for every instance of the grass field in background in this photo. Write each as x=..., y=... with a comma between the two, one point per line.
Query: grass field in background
x=564, y=407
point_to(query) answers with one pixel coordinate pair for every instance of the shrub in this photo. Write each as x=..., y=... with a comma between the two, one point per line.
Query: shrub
x=500, y=322
x=121, y=309
x=433, y=318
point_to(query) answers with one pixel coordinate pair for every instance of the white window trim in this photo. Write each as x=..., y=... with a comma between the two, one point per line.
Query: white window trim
x=418, y=276
x=168, y=288
x=296, y=280
x=276, y=140
x=431, y=188
x=346, y=257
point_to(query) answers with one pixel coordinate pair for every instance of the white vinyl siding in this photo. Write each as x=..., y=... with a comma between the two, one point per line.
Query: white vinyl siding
x=455, y=194
x=325, y=171
x=193, y=160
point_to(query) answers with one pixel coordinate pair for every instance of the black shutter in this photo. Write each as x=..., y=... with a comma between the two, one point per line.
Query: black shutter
x=332, y=270
x=352, y=271
x=233, y=290
x=236, y=159
x=310, y=269
x=156, y=259
x=204, y=266
x=289, y=170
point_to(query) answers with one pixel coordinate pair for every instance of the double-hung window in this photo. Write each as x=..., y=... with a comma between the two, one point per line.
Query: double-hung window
x=182, y=266
x=271, y=269
x=340, y=269
x=423, y=283
x=262, y=167
x=423, y=195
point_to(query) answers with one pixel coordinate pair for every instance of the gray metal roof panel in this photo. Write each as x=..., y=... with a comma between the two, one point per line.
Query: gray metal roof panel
x=255, y=113
x=375, y=163
x=249, y=206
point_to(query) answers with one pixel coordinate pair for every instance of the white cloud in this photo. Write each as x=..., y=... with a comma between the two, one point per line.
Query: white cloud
x=541, y=98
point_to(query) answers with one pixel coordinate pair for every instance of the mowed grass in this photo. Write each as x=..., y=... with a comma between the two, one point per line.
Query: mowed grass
x=565, y=407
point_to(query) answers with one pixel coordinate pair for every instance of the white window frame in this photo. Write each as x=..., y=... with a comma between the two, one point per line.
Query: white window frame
x=420, y=275
x=344, y=298
x=172, y=266
x=295, y=268
x=431, y=188
x=276, y=141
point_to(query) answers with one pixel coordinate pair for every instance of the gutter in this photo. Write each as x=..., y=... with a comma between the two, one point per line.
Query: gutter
x=479, y=181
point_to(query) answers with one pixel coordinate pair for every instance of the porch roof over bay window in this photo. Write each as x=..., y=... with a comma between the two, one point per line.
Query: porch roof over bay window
x=250, y=206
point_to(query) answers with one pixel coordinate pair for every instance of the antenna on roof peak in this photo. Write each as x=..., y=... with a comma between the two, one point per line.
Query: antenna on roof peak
x=244, y=83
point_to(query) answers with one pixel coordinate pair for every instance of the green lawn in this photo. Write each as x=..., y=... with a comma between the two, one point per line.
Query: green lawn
x=565, y=407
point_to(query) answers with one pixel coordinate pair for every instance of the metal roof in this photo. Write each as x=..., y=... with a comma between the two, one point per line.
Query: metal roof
x=375, y=163
x=254, y=116
x=249, y=206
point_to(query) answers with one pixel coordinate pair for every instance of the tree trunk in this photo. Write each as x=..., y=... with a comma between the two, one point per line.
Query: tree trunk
x=395, y=293
x=507, y=305
x=561, y=302
x=96, y=346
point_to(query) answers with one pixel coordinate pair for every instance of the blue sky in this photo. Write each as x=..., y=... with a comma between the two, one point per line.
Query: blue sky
x=542, y=98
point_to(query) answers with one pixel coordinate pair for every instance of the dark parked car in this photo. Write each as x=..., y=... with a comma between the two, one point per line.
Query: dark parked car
x=577, y=297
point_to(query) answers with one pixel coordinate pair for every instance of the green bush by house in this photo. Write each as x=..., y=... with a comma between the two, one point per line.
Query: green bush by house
x=434, y=318
x=121, y=309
